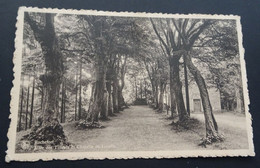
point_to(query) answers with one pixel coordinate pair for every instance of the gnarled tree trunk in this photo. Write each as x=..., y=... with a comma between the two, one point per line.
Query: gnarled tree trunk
x=48, y=127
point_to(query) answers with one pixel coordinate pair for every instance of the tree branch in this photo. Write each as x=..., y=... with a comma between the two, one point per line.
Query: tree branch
x=36, y=30
x=201, y=29
x=158, y=35
x=194, y=22
x=179, y=31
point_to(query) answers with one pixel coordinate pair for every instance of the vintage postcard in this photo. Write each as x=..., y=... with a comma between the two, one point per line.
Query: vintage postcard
x=93, y=84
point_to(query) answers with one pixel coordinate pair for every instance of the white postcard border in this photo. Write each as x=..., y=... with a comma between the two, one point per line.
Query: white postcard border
x=12, y=156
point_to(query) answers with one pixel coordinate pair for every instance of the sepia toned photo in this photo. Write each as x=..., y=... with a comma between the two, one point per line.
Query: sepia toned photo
x=96, y=85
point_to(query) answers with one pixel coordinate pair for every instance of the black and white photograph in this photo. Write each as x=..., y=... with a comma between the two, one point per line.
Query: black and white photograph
x=96, y=85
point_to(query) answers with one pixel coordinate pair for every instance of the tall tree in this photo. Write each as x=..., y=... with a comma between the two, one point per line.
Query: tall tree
x=218, y=52
x=97, y=25
x=189, y=35
x=172, y=47
x=44, y=33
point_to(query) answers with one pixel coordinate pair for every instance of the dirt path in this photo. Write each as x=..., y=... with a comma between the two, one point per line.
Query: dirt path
x=137, y=128
x=140, y=128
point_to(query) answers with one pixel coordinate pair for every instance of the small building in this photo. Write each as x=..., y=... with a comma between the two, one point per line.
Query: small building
x=195, y=99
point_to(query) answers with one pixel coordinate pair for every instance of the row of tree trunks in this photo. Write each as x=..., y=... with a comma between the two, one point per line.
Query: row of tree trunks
x=28, y=103
x=105, y=100
x=234, y=102
x=78, y=91
x=106, y=91
x=154, y=83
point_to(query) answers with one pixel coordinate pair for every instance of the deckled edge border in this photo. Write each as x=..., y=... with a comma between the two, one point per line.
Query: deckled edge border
x=12, y=156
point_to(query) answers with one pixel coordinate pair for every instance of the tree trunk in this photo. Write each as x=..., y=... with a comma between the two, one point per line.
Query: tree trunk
x=76, y=96
x=187, y=89
x=176, y=85
x=115, y=93
x=145, y=91
x=27, y=106
x=121, y=100
x=42, y=96
x=155, y=96
x=211, y=124
x=110, y=105
x=62, y=103
x=135, y=89
x=32, y=102
x=48, y=127
x=160, y=109
x=80, y=89
x=153, y=92
x=141, y=88
x=98, y=90
x=104, y=105
x=21, y=106
x=172, y=94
